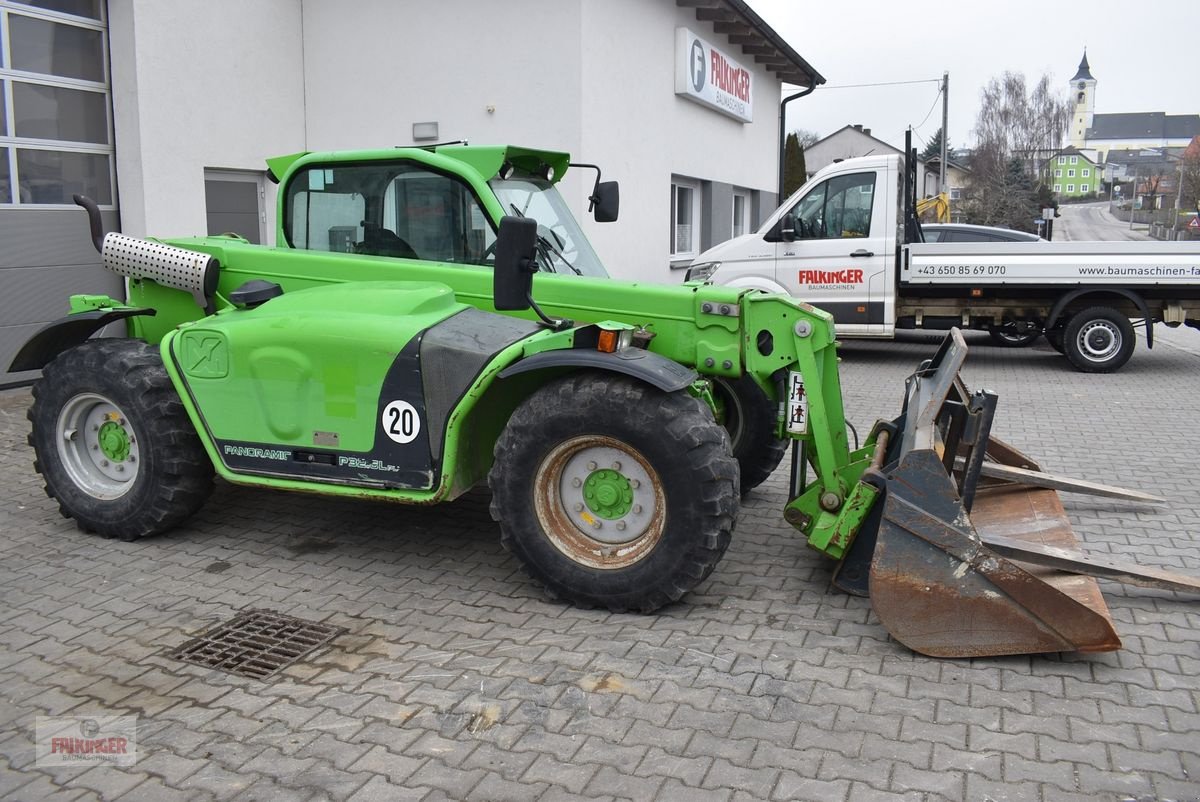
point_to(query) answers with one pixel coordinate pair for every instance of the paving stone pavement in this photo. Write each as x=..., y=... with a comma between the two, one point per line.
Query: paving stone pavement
x=458, y=679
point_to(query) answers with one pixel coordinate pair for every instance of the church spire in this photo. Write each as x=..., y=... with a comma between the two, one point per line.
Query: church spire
x=1085, y=72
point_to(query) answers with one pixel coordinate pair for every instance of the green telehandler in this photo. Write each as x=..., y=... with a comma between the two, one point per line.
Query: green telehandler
x=434, y=319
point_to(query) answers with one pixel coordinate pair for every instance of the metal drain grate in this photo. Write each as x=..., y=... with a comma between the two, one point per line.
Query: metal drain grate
x=256, y=643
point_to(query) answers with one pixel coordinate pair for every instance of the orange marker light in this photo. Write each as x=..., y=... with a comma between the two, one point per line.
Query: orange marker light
x=607, y=342
x=976, y=293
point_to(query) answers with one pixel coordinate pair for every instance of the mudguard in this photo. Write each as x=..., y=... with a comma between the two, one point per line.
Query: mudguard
x=67, y=332
x=654, y=369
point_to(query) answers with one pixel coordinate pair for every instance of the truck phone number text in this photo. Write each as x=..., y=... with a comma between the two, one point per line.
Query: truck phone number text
x=960, y=270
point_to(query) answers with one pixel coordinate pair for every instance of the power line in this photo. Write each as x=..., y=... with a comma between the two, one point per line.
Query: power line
x=884, y=83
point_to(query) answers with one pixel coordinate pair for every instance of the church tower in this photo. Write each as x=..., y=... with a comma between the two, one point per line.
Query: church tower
x=1083, y=101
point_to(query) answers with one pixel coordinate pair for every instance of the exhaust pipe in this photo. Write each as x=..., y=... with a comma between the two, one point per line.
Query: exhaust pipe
x=191, y=271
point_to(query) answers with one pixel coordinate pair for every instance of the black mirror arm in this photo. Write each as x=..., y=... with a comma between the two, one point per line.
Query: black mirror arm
x=593, y=198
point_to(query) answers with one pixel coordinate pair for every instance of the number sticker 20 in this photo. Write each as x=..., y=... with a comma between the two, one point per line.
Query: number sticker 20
x=401, y=421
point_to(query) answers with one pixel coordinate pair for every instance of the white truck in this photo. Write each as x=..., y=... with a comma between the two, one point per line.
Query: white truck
x=848, y=242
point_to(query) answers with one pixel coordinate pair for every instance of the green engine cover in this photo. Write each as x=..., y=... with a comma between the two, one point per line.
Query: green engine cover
x=321, y=384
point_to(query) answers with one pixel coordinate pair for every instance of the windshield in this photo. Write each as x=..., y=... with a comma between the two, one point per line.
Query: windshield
x=562, y=247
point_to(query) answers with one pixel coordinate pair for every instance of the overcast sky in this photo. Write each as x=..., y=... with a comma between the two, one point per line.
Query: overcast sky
x=1143, y=55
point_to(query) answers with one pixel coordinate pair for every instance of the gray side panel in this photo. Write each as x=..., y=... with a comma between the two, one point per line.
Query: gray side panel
x=453, y=353
x=47, y=255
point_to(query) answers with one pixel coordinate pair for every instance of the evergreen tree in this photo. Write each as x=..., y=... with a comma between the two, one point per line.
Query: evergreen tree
x=934, y=148
x=794, y=172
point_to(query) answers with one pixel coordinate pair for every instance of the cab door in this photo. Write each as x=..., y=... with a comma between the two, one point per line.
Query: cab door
x=832, y=251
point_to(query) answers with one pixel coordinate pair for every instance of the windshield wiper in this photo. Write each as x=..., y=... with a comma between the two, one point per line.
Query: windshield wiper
x=547, y=249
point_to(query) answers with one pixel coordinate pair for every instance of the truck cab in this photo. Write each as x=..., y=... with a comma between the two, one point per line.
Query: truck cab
x=832, y=244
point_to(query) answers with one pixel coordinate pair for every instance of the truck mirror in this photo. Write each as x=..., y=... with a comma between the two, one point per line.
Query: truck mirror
x=787, y=227
x=784, y=229
x=606, y=200
x=516, y=262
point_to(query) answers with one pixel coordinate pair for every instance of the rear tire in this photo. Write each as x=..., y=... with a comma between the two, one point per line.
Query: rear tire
x=750, y=421
x=614, y=494
x=1098, y=340
x=114, y=443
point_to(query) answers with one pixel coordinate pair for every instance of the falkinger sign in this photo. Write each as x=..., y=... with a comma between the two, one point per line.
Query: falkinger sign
x=708, y=76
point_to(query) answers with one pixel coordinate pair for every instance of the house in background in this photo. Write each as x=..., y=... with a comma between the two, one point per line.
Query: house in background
x=958, y=175
x=1072, y=173
x=849, y=142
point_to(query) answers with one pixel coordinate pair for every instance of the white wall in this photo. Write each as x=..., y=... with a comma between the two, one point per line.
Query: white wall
x=640, y=132
x=196, y=84
x=226, y=84
x=374, y=67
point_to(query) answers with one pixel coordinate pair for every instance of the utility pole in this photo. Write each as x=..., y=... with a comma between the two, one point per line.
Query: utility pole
x=945, y=133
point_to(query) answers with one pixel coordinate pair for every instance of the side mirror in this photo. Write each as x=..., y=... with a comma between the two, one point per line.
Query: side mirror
x=512, y=277
x=606, y=201
x=787, y=227
x=784, y=230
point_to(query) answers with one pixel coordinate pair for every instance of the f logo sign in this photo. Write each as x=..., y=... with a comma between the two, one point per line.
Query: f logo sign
x=699, y=66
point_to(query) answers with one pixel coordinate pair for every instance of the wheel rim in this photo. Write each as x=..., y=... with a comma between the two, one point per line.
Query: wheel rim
x=98, y=447
x=1098, y=340
x=600, y=502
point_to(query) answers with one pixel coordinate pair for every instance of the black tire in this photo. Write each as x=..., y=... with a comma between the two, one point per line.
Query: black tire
x=750, y=421
x=114, y=443
x=1009, y=337
x=1098, y=340
x=675, y=461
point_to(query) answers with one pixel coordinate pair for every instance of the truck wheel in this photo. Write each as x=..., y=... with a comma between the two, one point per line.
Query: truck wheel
x=749, y=418
x=1098, y=340
x=614, y=494
x=113, y=442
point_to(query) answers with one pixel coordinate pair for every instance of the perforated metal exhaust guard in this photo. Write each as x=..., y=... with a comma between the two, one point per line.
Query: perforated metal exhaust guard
x=182, y=269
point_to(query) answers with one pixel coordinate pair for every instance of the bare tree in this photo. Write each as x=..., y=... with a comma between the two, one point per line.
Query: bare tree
x=805, y=137
x=1190, y=196
x=1016, y=130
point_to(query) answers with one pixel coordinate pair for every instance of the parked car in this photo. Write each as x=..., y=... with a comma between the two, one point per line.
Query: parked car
x=962, y=232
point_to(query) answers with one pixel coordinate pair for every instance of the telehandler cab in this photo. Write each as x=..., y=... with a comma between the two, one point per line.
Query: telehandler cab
x=406, y=342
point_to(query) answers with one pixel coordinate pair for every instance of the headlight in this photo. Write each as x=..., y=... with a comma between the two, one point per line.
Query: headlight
x=701, y=272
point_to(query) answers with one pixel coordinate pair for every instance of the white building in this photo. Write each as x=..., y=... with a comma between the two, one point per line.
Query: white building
x=202, y=91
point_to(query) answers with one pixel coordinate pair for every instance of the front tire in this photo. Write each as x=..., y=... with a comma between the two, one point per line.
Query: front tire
x=749, y=417
x=114, y=443
x=1098, y=340
x=614, y=494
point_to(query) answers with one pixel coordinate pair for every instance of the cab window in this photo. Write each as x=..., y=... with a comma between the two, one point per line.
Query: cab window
x=387, y=209
x=838, y=208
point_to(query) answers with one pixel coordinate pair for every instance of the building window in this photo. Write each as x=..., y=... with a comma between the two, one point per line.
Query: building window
x=1070, y=173
x=55, y=110
x=1058, y=173
x=1084, y=187
x=685, y=218
x=1086, y=173
x=955, y=193
x=1074, y=160
x=1058, y=187
x=741, y=213
x=1062, y=159
x=1070, y=187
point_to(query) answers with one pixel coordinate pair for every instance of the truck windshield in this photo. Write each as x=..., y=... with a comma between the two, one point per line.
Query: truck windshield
x=562, y=247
